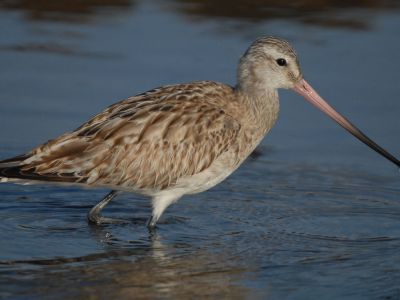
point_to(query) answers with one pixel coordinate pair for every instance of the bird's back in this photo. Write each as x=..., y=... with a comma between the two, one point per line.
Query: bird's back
x=145, y=142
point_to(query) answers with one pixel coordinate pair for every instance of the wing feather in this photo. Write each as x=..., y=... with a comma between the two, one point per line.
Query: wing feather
x=144, y=142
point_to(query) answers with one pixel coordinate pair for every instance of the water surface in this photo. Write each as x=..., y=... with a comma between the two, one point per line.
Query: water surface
x=314, y=215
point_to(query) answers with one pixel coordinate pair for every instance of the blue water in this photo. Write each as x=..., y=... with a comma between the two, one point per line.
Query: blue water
x=316, y=215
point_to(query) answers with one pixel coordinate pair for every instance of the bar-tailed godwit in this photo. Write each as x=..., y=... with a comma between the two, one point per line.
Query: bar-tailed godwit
x=176, y=139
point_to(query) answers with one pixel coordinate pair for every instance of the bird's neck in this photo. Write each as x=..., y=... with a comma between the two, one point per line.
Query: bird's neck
x=258, y=95
x=258, y=112
x=261, y=107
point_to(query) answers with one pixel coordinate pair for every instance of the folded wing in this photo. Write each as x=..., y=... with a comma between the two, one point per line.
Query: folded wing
x=145, y=142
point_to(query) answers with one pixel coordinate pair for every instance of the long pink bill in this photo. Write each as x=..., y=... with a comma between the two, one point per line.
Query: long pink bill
x=304, y=89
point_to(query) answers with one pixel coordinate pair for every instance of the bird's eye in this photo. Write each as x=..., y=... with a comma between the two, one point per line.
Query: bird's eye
x=281, y=61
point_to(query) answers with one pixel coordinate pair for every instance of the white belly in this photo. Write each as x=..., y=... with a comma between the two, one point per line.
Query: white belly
x=225, y=165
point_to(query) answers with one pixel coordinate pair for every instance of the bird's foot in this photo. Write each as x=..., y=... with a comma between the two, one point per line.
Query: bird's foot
x=151, y=223
x=99, y=220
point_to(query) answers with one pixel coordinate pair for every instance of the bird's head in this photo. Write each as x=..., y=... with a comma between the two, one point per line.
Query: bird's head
x=271, y=63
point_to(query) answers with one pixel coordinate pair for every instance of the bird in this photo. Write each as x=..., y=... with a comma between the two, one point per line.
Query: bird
x=177, y=139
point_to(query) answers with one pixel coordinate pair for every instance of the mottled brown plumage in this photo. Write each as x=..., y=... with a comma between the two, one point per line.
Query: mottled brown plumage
x=143, y=143
x=172, y=140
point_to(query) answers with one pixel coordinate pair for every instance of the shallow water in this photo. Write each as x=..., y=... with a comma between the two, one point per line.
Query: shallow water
x=315, y=215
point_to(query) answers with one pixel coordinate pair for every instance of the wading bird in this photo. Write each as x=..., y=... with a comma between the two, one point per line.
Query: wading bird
x=176, y=139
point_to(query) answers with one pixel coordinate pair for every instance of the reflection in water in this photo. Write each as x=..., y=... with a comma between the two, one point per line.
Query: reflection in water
x=156, y=270
x=333, y=13
x=60, y=49
x=65, y=10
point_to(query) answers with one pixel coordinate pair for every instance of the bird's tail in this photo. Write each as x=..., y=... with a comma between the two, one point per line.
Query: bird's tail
x=18, y=170
x=11, y=169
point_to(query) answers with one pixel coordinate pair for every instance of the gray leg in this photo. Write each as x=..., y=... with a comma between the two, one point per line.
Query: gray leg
x=151, y=222
x=94, y=215
x=160, y=203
